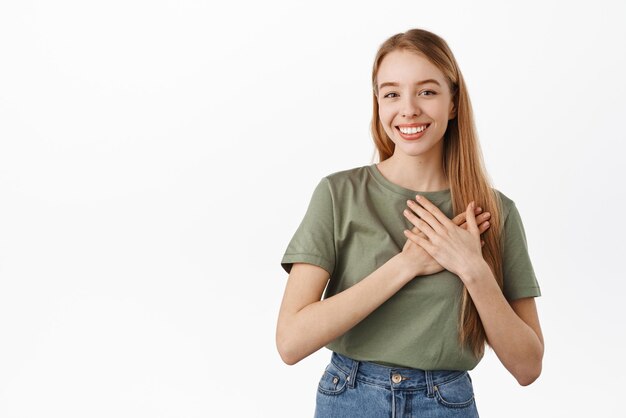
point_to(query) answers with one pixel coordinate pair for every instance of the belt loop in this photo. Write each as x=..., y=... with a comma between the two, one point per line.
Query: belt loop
x=352, y=377
x=429, y=384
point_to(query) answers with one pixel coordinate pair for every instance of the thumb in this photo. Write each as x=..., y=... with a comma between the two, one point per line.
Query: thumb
x=472, y=226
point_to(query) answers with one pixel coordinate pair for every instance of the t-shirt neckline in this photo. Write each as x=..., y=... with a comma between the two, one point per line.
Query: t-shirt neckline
x=437, y=194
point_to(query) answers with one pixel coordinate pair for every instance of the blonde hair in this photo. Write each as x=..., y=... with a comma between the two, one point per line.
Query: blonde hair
x=462, y=163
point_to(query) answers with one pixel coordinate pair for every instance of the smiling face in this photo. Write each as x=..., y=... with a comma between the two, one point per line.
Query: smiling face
x=414, y=103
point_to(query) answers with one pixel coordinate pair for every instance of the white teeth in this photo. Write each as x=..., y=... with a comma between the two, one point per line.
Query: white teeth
x=413, y=130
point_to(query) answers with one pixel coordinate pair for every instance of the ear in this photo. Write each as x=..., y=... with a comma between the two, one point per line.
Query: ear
x=452, y=111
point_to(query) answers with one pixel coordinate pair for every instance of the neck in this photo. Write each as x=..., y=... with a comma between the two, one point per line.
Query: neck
x=414, y=173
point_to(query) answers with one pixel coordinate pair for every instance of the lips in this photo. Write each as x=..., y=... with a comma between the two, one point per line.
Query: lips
x=412, y=131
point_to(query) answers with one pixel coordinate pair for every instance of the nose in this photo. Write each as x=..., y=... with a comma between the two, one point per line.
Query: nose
x=410, y=107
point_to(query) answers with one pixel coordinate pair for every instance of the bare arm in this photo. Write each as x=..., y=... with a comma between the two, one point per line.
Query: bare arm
x=513, y=329
x=306, y=323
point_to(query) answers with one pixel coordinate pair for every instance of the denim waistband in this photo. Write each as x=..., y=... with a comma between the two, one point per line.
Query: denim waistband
x=397, y=378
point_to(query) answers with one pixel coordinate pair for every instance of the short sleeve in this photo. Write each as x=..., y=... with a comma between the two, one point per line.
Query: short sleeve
x=313, y=241
x=519, y=276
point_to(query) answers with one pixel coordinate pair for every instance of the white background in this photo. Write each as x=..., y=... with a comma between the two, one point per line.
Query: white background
x=157, y=156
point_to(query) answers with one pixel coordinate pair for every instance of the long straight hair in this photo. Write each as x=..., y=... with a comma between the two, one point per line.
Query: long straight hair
x=462, y=164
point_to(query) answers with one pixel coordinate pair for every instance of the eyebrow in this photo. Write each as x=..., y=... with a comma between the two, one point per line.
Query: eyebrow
x=419, y=83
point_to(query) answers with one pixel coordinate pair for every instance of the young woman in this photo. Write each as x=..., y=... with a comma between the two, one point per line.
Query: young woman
x=413, y=293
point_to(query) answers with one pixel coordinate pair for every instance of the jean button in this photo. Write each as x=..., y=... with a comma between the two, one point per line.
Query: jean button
x=396, y=378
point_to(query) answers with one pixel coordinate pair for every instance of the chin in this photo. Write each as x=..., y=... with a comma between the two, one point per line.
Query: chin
x=416, y=150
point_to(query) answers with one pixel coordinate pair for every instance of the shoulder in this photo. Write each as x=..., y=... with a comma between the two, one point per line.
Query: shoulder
x=507, y=204
x=334, y=187
x=340, y=180
x=345, y=175
x=510, y=214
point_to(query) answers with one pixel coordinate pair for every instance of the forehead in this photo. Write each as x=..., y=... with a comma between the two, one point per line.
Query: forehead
x=407, y=67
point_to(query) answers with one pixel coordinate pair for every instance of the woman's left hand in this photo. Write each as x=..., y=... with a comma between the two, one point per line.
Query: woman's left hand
x=455, y=248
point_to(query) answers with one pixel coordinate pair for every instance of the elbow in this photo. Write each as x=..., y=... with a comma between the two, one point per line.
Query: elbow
x=530, y=370
x=286, y=350
x=287, y=356
x=529, y=374
x=289, y=361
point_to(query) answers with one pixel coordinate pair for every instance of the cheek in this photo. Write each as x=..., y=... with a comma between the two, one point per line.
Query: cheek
x=438, y=110
x=385, y=115
x=385, y=120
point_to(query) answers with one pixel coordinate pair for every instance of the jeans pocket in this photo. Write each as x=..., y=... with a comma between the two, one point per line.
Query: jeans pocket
x=333, y=381
x=456, y=393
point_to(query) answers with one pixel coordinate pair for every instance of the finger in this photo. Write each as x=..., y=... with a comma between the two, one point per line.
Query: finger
x=422, y=242
x=471, y=219
x=419, y=223
x=480, y=220
x=426, y=217
x=417, y=231
x=483, y=227
x=434, y=210
x=460, y=218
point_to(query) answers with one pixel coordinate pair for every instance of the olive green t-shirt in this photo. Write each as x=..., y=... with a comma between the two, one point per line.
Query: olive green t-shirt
x=353, y=225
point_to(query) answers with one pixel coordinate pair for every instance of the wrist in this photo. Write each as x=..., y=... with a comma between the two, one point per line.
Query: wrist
x=406, y=269
x=475, y=271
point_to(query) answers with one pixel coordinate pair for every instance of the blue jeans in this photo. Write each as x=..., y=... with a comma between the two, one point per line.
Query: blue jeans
x=350, y=388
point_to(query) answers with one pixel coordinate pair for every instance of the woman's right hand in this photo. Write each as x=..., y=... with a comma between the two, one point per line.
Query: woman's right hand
x=419, y=262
